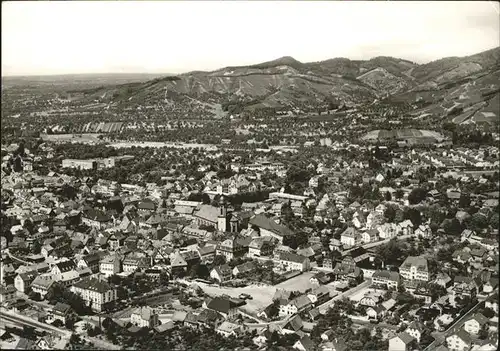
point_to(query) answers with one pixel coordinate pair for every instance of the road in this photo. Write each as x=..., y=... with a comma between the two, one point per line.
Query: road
x=441, y=336
x=23, y=320
x=16, y=259
x=14, y=318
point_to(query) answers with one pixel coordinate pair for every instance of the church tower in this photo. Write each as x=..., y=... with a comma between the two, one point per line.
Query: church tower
x=222, y=219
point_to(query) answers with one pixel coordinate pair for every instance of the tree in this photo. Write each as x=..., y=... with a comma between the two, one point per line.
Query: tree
x=163, y=280
x=417, y=195
x=478, y=222
x=205, y=198
x=494, y=222
x=414, y=216
x=390, y=214
x=36, y=248
x=69, y=323
x=34, y=296
x=488, y=313
x=219, y=260
x=274, y=309
x=399, y=194
x=464, y=201
x=58, y=323
x=484, y=331
x=453, y=227
x=388, y=196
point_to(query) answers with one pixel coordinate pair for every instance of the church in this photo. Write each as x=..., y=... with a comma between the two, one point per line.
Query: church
x=218, y=217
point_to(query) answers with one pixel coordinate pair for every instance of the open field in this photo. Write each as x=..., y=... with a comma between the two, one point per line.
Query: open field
x=86, y=138
x=358, y=295
x=298, y=283
x=402, y=134
x=126, y=144
x=262, y=295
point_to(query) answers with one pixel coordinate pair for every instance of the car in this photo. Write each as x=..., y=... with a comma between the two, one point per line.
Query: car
x=374, y=321
x=244, y=296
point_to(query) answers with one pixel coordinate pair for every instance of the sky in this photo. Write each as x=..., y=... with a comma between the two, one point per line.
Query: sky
x=42, y=38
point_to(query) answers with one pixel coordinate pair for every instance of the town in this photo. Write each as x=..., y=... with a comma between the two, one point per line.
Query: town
x=345, y=245
x=231, y=198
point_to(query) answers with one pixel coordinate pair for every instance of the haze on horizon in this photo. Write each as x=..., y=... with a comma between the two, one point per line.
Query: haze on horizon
x=46, y=38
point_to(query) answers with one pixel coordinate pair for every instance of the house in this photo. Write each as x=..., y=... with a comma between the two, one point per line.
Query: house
x=336, y=344
x=416, y=330
x=292, y=262
x=116, y=240
x=461, y=256
x=320, y=278
x=110, y=265
x=226, y=307
x=295, y=306
x=415, y=268
x=463, y=287
x=492, y=302
x=147, y=206
x=22, y=282
x=221, y=273
x=261, y=247
x=228, y=329
x=96, y=293
x=459, y=341
x=474, y=324
x=313, y=314
x=370, y=236
x=319, y=295
x=375, y=312
x=165, y=327
x=388, y=279
x=96, y=219
x=478, y=254
x=371, y=298
x=133, y=263
x=269, y=227
x=25, y=344
x=231, y=248
x=406, y=227
x=294, y=325
x=424, y=230
x=42, y=284
x=388, y=230
x=401, y=342
x=178, y=263
x=62, y=267
x=7, y=293
x=304, y=344
x=443, y=280
x=244, y=268
x=90, y=261
x=206, y=253
x=349, y=237
x=61, y=311
x=144, y=317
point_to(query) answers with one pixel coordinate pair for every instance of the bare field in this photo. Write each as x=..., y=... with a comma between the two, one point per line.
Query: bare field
x=298, y=283
x=262, y=295
x=73, y=138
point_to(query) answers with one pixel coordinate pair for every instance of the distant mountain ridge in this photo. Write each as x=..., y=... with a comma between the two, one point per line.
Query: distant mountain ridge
x=288, y=84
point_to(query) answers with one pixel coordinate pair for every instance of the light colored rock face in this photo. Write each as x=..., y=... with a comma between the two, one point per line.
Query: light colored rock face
x=383, y=81
x=462, y=70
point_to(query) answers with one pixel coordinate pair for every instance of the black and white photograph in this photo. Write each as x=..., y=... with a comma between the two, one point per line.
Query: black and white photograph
x=250, y=175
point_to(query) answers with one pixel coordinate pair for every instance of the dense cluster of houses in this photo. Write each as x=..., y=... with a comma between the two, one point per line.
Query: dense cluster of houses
x=77, y=232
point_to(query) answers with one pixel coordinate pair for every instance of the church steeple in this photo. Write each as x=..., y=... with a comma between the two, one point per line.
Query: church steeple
x=222, y=219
